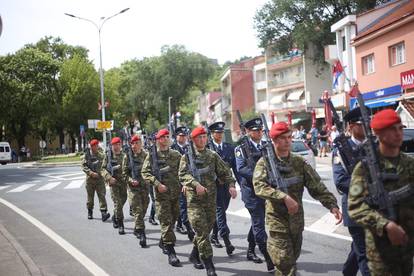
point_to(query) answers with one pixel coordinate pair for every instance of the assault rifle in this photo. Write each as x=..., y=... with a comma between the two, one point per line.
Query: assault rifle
x=109, y=166
x=154, y=158
x=245, y=143
x=93, y=166
x=192, y=161
x=275, y=179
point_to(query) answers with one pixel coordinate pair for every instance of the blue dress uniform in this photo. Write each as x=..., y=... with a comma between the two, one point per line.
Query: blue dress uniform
x=357, y=259
x=226, y=152
x=183, y=217
x=254, y=204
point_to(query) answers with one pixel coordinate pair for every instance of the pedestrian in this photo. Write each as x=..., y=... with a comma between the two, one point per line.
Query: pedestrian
x=137, y=188
x=226, y=153
x=201, y=195
x=389, y=239
x=112, y=173
x=91, y=166
x=357, y=259
x=323, y=141
x=167, y=190
x=180, y=145
x=334, y=133
x=254, y=204
x=284, y=211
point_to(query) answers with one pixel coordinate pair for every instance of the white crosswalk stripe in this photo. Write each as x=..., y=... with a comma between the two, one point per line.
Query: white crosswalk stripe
x=75, y=184
x=4, y=187
x=48, y=186
x=21, y=188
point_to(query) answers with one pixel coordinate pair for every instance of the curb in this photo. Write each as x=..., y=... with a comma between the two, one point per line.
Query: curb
x=52, y=165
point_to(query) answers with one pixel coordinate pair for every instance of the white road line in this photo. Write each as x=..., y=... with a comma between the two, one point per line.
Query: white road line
x=75, y=184
x=244, y=213
x=78, y=177
x=4, y=187
x=48, y=186
x=82, y=258
x=333, y=235
x=21, y=188
x=311, y=201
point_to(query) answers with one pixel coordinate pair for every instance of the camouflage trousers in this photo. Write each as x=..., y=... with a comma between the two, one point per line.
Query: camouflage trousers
x=284, y=250
x=119, y=197
x=168, y=210
x=138, y=200
x=202, y=217
x=99, y=188
x=397, y=264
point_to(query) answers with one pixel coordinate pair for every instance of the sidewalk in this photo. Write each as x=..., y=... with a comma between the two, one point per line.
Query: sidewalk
x=13, y=258
x=324, y=160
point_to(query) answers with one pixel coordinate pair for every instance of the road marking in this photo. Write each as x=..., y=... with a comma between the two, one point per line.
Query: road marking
x=48, y=186
x=75, y=184
x=311, y=201
x=21, y=188
x=4, y=187
x=333, y=235
x=82, y=258
x=244, y=213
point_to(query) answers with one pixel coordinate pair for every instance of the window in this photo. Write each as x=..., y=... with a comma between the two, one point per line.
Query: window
x=1, y=149
x=368, y=64
x=261, y=95
x=343, y=43
x=260, y=75
x=397, y=54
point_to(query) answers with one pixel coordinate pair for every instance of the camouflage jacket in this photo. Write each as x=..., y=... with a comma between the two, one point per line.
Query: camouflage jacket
x=138, y=160
x=372, y=219
x=277, y=216
x=116, y=164
x=218, y=169
x=94, y=164
x=168, y=162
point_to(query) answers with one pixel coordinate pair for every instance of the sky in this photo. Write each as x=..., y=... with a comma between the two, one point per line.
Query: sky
x=218, y=29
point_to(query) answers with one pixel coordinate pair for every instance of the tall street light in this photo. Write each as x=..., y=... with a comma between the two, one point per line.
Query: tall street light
x=99, y=28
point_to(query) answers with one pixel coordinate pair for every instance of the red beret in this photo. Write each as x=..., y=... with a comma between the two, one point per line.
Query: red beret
x=161, y=133
x=385, y=118
x=94, y=142
x=278, y=129
x=115, y=140
x=198, y=131
x=135, y=138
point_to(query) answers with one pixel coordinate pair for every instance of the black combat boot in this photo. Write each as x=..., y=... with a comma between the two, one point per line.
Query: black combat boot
x=152, y=221
x=105, y=215
x=162, y=246
x=229, y=247
x=172, y=257
x=214, y=241
x=195, y=258
x=190, y=231
x=269, y=262
x=121, y=230
x=115, y=222
x=90, y=211
x=142, y=239
x=208, y=263
x=251, y=255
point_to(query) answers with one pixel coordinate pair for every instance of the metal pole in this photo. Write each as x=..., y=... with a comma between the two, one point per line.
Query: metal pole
x=169, y=109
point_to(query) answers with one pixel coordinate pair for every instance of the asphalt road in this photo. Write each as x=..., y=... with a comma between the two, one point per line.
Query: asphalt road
x=46, y=213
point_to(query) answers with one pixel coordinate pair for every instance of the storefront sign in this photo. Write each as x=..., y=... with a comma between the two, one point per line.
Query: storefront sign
x=407, y=79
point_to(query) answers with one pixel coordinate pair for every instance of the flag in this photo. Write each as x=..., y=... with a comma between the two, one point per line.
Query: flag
x=337, y=72
x=353, y=93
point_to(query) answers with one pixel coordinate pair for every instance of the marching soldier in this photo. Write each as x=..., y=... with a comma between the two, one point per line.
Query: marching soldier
x=357, y=259
x=167, y=190
x=284, y=211
x=254, y=204
x=112, y=173
x=137, y=187
x=389, y=238
x=226, y=152
x=91, y=165
x=201, y=196
x=179, y=145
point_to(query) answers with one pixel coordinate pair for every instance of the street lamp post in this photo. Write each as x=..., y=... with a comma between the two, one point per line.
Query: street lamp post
x=99, y=28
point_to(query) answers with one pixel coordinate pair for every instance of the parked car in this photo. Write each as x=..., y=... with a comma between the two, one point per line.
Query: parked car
x=408, y=141
x=300, y=147
x=5, y=153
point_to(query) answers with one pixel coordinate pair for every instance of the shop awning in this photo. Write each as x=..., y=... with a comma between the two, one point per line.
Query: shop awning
x=295, y=95
x=279, y=98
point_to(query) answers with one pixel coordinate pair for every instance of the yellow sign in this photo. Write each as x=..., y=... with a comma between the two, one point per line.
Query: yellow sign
x=104, y=125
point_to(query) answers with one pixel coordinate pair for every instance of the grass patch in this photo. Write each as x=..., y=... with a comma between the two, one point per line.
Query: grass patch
x=60, y=159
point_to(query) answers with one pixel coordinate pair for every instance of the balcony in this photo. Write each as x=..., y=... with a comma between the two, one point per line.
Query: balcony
x=286, y=81
x=282, y=58
x=261, y=85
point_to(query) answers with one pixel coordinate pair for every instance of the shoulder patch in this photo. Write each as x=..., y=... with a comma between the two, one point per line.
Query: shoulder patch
x=355, y=190
x=238, y=153
x=337, y=160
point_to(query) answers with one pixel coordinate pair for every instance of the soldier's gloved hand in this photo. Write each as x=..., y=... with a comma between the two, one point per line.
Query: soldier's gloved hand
x=201, y=190
x=135, y=183
x=112, y=181
x=396, y=234
x=337, y=214
x=94, y=175
x=162, y=188
x=233, y=192
x=291, y=205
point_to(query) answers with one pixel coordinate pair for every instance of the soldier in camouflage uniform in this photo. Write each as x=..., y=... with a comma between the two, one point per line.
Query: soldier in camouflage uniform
x=201, y=197
x=284, y=211
x=136, y=186
x=91, y=165
x=167, y=191
x=112, y=173
x=389, y=244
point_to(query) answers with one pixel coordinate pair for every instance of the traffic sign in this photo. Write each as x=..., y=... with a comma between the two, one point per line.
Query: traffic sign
x=101, y=125
x=42, y=144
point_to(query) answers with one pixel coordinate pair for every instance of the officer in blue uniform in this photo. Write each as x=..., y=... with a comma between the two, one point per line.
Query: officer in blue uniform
x=179, y=145
x=226, y=152
x=254, y=204
x=344, y=158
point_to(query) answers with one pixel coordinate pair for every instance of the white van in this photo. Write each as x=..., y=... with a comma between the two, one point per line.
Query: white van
x=5, y=153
